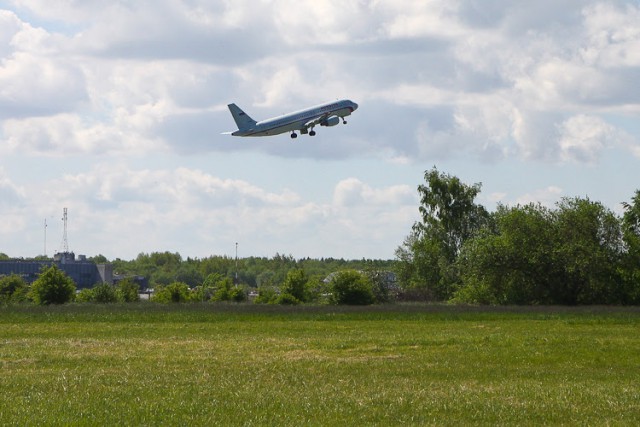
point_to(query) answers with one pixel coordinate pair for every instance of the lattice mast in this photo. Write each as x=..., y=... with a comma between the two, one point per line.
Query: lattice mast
x=65, y=242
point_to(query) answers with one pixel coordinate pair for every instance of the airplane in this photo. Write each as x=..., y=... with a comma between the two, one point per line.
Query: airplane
x=327, y=114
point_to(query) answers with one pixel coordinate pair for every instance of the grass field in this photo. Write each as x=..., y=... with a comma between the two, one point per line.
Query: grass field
x=146, y=364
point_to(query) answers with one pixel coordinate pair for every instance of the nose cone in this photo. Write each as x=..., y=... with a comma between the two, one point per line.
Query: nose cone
x=354, y=106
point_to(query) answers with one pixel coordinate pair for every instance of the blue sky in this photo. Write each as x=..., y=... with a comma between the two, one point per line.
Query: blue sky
x=116, y=112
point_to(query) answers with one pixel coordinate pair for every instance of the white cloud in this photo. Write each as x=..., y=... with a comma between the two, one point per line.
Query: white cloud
x=583, y=138
x=546, y=197
x=127, y=100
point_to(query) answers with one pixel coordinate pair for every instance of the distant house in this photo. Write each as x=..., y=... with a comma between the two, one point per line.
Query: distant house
x=84, y=273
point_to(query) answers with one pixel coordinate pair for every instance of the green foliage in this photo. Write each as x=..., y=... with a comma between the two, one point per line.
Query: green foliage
x=570, y=255
x=12, y=289
x=222, y=289
x=450, y=217
x=237, y=294
x=294, y=284
x=352, y=288
x=287, y=299
x=85, y=295
x=105, y=293
x=266, y=295
x=175, y=292
x=101, y=293
x=52, y=286
x=127, y=291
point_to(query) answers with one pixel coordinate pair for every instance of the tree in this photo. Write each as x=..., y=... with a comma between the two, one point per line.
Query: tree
x=514, y=263
x=12, y=289
x=449, y=218
x=352, y=288
x=294, y=284
x=631, y=259
x=589, y=247
x=53, y=286
x=448, y=210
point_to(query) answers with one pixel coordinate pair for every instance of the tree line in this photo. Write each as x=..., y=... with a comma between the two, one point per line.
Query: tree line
x=277, y=280
x=579, y=252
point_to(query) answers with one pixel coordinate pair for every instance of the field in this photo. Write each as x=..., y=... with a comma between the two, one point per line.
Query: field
x=148, y=364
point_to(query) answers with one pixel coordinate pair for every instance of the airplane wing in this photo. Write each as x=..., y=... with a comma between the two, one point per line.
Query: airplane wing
x=315, y=121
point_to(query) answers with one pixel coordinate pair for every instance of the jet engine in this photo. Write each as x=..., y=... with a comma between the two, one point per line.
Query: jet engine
x=330, y=121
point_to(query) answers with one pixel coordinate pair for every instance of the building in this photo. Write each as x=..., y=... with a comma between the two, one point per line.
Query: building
x=84, y=273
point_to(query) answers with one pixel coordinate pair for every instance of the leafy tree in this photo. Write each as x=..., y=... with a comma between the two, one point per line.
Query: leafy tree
x=294, y=284
x=631, y=259
x=53, y=286
x=571, y=255
x=172, y=293
x=12, y=289
x=222, y=290
x=352, y=288
x=514, y=264
x=381, y=286
x=589, y=248
x=99, y=259
x=448, y=211
x=449, y=218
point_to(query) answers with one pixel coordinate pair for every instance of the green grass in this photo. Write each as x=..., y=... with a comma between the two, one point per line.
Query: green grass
x=147, y=364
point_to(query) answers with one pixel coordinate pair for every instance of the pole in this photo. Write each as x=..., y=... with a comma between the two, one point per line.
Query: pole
x=236, y=281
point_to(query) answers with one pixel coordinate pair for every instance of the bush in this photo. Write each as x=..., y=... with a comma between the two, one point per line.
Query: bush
x=287, y=299
x=237, y=295
x=12, y=289
x=53, y=286
x=127, y=291
x=85, y=295
x=266, y=295
x=174, y=292
x=352, y=288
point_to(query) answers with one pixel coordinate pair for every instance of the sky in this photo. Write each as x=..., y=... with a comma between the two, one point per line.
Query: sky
x=114, y=110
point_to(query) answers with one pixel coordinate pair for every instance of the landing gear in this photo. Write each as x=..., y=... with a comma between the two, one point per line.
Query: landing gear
x=294, y=135
x=312, y=133
x=344, y=122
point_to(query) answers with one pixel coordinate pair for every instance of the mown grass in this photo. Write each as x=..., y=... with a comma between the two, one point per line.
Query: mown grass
x=147, y=364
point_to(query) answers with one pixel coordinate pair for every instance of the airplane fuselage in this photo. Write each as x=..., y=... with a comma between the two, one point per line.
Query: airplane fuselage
x=327, y=114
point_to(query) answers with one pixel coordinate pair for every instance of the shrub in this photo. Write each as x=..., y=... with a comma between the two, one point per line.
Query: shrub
x=174, y=292
x=352, y=288
x=287, y=299
x=266, y=295
x=53, y=286
x=238, y=294
x=12, y=289
x=104, y=293
x=127, y=291
x=85, y=295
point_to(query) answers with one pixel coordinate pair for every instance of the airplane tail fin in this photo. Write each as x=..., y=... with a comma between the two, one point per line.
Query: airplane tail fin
x=242, y=119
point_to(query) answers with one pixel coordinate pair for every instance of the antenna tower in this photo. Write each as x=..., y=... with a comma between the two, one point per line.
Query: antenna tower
x=65, y=242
